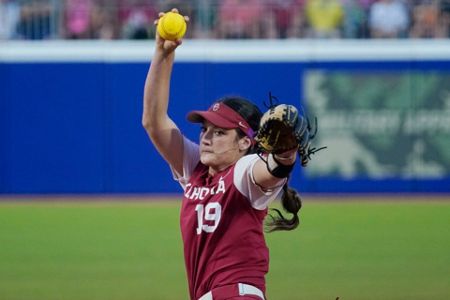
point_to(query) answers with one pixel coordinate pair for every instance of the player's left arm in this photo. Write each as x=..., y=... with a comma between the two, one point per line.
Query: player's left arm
x=264, y=178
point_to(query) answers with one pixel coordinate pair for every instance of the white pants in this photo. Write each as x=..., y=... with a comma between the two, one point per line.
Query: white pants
x=244, y=289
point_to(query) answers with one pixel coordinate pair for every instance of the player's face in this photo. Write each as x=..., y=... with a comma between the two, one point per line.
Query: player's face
x=219, y=148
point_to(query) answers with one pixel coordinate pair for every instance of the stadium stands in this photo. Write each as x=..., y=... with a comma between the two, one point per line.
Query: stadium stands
x=226, y=19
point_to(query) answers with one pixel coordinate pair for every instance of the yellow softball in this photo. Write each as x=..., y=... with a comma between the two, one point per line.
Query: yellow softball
x=171, y=26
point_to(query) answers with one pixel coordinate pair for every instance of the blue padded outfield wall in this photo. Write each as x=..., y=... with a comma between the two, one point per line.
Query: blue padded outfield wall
x=70, y=114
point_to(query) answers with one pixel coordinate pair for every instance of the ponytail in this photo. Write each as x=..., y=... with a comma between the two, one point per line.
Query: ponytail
x=292, y=204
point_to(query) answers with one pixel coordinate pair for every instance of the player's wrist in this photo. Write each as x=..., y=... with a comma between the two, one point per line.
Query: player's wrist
x=286, y=158
x=277, y=168
x=163, y=56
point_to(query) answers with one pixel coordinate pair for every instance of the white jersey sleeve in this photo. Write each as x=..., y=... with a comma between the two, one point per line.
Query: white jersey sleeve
x=246, y=185
x=191, y=157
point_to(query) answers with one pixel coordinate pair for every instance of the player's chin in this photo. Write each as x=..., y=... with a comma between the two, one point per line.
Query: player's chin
x=208, y=158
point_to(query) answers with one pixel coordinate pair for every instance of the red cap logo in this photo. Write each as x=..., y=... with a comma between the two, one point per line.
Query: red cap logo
x=216, y=107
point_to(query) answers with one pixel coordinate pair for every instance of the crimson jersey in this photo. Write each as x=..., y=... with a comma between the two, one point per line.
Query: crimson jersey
x=222, y=224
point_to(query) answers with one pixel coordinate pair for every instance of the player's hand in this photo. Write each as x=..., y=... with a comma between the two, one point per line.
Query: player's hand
x=166, y=46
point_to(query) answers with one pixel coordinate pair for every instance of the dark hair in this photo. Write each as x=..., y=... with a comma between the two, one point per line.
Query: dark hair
x=290, y=200
x=247, y=109
x=291, y=203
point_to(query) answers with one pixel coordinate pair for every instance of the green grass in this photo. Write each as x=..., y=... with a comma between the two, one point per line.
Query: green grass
x=118, y=250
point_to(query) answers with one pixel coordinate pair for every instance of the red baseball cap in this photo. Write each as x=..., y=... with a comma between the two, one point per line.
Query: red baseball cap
x=223, y=116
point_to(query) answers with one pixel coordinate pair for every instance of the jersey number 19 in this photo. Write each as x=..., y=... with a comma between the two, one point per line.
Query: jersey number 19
x=211, y=212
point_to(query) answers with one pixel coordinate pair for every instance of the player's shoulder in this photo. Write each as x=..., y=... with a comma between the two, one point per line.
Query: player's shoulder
x=243, y=167
x=245, y=162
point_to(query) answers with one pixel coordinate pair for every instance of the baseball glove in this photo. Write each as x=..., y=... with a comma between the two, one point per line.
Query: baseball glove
x=282, y=129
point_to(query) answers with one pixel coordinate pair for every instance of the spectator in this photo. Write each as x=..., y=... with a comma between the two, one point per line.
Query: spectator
x=9, y=17
x=445, y=16
x=354, y=25
x=136, y=26
x=224, y=19
x=204, y=18
x=366, y=4
x=388, y=19
x=184, y=6
x=325, y=18
x=136, y=18
x=426, y=21
x=78, y=19
x=104, y=21
x=35, y=21
x=240, y=19
x=286, y=18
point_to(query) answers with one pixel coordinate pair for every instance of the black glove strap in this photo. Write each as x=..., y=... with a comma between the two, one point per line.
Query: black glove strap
x=276, y=168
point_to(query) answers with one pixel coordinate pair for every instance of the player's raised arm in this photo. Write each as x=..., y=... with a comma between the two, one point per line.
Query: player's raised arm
x=162, y=131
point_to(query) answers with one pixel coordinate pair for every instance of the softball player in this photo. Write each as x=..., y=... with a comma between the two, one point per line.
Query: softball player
x=227, y=189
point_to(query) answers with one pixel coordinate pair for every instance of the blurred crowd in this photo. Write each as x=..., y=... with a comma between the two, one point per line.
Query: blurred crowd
x=226, y=19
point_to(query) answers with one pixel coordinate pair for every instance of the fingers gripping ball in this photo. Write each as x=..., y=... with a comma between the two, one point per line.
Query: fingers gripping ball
x=281, y=129
x=172, y=26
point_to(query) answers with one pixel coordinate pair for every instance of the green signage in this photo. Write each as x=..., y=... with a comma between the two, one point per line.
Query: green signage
x=380, y=125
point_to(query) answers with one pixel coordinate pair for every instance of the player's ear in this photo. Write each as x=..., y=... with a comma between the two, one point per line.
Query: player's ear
x=244, y=143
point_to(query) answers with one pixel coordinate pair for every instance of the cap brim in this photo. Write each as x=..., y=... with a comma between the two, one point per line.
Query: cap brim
x=216, y=119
